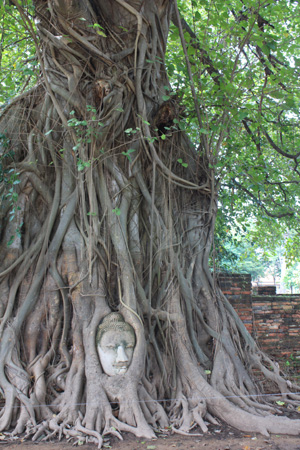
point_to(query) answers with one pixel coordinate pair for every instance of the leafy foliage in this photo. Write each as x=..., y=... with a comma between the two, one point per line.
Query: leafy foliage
x=245, y=67
x=18, y=62
x=236, y=250
x=245, y=63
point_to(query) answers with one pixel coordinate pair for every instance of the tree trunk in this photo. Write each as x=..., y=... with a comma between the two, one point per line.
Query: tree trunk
x=113, y=210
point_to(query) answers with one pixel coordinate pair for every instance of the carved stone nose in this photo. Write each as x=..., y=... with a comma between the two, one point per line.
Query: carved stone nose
x=121, y=354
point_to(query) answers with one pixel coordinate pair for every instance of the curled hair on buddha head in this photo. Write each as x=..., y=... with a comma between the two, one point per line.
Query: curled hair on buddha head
x=113, y=321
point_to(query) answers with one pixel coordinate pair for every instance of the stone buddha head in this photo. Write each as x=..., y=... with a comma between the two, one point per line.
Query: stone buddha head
x=115, y=342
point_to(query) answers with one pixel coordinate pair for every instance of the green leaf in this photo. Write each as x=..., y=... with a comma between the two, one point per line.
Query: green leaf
x=191, y=51
x=265, y=49
x=165, y=97
x=242, y=114
x=182, y=163
x=182, y=126
x=297, y=61
x=117, y=211
x=101, y=33
x=277, y=94
x=11, y=240
x=151, y=139
x=290, y=102
x=127, y=154
x=272, y=45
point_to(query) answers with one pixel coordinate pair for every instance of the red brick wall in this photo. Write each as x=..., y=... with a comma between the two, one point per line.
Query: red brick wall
x=277, y=324
x=237, y=288
x=273, y=320
x=266, y=290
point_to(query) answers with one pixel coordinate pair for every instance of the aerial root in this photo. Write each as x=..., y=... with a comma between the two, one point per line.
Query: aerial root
x=241, y=399
x=198, y=413
x=184, y=433
x=184, y=419
x=153, y=410
x=211, y=419
x=44, y=428
x=82, y=429
x=251, y=422
x=52, y=429
x=109, y=429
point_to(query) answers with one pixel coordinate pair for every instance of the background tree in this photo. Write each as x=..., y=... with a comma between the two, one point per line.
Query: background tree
x=18, y=60
x=114, y=209
x=247, y=246
x=238, y=252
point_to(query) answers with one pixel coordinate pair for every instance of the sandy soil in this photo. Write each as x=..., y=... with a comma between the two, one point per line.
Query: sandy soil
x=218, y=438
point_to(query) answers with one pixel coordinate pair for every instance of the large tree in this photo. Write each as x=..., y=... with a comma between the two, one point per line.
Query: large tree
x=113, y=209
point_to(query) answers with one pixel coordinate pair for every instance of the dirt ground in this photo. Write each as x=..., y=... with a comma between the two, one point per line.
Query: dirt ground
x=218, y=438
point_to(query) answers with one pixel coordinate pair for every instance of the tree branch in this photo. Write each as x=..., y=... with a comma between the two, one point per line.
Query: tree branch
x=260, y=204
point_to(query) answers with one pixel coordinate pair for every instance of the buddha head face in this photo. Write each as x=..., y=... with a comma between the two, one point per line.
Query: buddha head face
x=115, y=342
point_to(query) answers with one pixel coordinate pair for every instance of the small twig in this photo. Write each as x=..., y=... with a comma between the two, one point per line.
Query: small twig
x=124, y=304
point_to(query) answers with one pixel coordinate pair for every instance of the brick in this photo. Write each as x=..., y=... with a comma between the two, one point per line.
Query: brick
x=276, y=318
